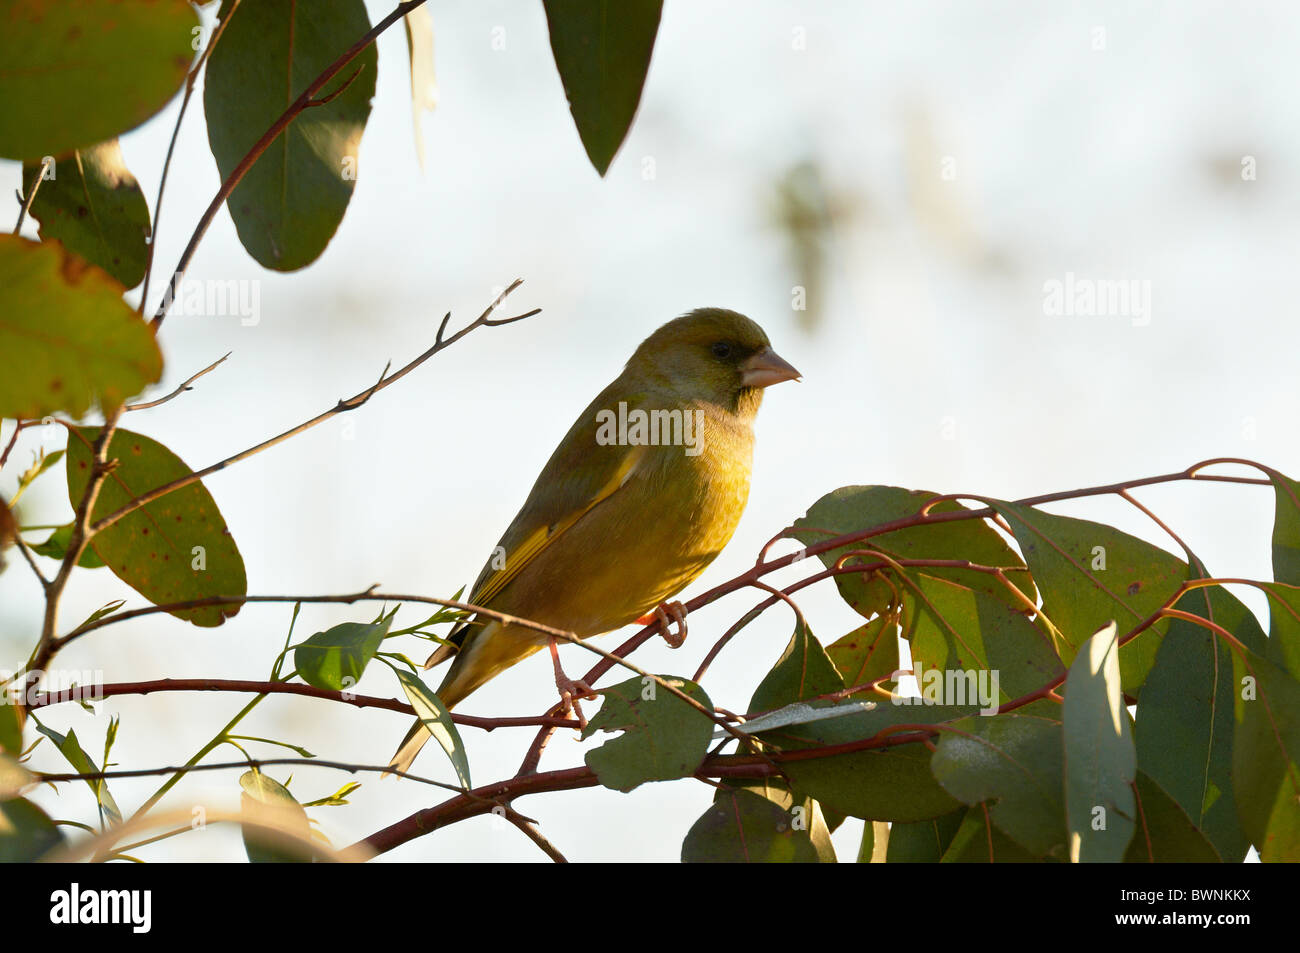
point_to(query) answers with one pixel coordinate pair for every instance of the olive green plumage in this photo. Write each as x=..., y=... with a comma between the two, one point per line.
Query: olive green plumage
x=612, y=529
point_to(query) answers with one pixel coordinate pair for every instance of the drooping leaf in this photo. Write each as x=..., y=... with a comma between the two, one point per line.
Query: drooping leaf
x=176, y=548
x=80, y=72
x=68, y=338
x=978, y=841
x=92, y=204
x=289, y=205
x=336, y=658
x=662, y=736
x=435, y=717
x=923, y=842
x=1184, y=728
x=1090, y=573
x=1165, y=834
x=602, y=50
x=270, y=803
x=1266, y=755
x=972, y=638
x=1013, y=763
x=803, y=671
x=853, y=508
x=1100, y=761
x=424, y=88
x=758, y=823
x=26, y=832
x=82, y=763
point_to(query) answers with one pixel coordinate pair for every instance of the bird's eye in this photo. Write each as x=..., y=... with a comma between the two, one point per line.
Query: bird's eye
x=721, y=349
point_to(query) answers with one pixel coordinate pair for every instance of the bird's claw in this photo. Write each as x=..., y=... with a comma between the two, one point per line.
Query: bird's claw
x=571, y=690
x=667, y=613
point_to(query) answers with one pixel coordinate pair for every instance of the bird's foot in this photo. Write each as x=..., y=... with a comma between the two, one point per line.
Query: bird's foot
x=667, y=613
x=570, y=689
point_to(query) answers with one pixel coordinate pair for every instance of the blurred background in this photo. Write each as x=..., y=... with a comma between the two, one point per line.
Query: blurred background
x=889, y=189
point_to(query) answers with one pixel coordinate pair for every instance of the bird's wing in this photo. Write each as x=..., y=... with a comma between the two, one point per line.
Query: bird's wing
x=580, y=475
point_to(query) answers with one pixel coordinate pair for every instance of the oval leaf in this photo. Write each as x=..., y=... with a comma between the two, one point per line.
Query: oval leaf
x=1100, y=761
x=76, y=73
x=602, y=51
x=288, y=206
x=68, y=338
x=336, y=658
x=749, y=825
x=92, y=203
x=176, y=548
x=663, y=737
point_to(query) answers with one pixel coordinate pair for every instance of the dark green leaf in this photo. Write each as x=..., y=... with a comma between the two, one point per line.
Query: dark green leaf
x=663, y=737
x=1100, y=761
x=758, y=823
x=1184, y=727
x=978, y=841
x=922, y=842
x=26, y=832
x=1090, y=573
x=1266, y=755
x=435, y=717
x=1013, y=762
x=1286, y=529
x=336, y=658
x=68, y=338
x=92, y=203
x=868, y=653
x=56, y=547
x=1165, y=834
x=602, y=50
x=289, y=205
x=1283, y=627
x=176, y=548
x=73, y=74
x=82, y=763
x=853, y=508
x=803, y=671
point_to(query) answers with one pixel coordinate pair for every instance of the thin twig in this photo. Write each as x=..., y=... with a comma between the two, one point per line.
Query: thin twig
x=31, y=196
x=181, y=389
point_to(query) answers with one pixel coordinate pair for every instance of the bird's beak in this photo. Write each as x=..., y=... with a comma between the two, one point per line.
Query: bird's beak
x=765, y=368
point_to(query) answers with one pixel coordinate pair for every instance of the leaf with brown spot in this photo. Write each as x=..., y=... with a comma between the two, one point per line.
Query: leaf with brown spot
x=172, y=526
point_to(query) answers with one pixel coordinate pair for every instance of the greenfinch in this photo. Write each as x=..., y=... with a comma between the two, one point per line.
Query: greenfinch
x=642, y=493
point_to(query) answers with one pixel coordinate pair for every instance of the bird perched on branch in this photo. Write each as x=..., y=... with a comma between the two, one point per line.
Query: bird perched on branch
x=642, y=493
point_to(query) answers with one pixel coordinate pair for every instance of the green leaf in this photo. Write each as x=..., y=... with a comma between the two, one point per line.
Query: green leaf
x=978, y=841
x=435, y=717
x=1089, y=574
x=1014, y=763
x=757, y=824
x=42, y=463
x=73, y=74
x=854, y=508
x=1100, y=761
x=336, y=658
x=289, y=205
x=82, y=763
x=882, y=784
x=602, y=50
x=922, y=842
x=176, y=548
x=1283, y=646
x=92, y=203
x=868, y=653
x=269, y=802
x=953, y=630
x=1286, y=529
x=1266, y=755
x=803, y=671
x=68, y=338
x=662, y=736
x=56, y=547
x=1165, y=834
x=1184, y=729
x=11, y=728
x=26, y=832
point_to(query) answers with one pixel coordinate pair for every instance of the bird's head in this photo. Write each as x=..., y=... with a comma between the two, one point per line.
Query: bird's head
x=713, y=355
